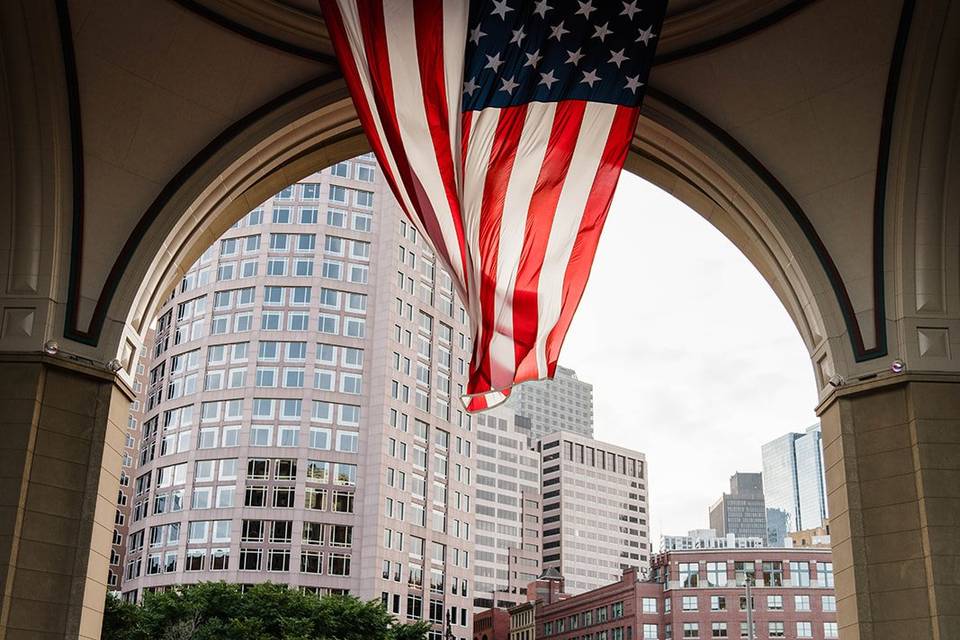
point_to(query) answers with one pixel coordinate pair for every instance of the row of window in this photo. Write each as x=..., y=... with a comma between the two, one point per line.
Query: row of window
x=312, y=562
x=719, y=603
x=775, y=629
x=772, y=573
x=336, y=192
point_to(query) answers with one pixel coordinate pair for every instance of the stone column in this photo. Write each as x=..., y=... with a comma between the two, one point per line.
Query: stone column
x=62, y=434
x=892, y=457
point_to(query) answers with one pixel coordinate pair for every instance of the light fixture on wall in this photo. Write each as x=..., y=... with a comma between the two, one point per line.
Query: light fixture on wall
x=114, y=365
x=836, y=381
x=51, y=347
x=897, y=366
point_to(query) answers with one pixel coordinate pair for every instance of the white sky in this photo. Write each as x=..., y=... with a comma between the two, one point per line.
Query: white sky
x=693, y=359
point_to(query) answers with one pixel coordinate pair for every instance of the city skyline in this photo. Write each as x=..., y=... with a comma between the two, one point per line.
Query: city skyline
x=707, y=352
x=573, y=394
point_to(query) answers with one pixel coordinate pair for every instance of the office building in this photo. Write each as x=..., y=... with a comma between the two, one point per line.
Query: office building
x=707, y=539
x=594, y=509
x=793, y=479
x=564, y=403
x=508, y=516
x=741, y=512
x=301, y=417
x=121, y=522
x=700, y=594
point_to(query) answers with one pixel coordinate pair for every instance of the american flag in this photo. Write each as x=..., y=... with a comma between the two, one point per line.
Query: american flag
x=502, y=127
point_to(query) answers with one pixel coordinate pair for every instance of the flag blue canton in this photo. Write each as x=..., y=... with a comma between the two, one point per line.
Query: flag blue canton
x=520, y=51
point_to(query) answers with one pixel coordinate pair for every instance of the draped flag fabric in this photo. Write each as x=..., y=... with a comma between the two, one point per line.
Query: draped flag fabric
x=502, y=127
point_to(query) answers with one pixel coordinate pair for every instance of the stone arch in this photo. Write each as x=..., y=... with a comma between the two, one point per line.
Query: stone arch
x=318, y=127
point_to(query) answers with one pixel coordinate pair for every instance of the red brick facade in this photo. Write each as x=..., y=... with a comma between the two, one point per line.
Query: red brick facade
x=492, y=624
x=700, y=595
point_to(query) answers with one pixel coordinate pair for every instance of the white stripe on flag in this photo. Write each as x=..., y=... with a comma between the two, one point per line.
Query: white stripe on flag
x=455, y=25
x=531, y=151
x=591, y=142
x=483, y=131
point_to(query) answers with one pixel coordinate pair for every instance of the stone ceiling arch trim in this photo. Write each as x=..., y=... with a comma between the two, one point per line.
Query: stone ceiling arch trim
x=717, y=24
x=72, y=92
x=692, y=32
x=268, y=23
x=880, y=191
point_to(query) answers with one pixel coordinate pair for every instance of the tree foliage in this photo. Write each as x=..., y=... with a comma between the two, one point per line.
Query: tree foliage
x=220, y=611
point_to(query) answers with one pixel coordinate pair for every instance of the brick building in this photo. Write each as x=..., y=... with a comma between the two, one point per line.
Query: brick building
x=700, y=594
x=491, y=624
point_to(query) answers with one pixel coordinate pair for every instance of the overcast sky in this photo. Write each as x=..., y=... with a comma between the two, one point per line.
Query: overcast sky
x=692, y=357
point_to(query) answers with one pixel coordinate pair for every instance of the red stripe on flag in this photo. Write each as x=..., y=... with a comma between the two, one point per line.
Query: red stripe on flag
x=428, y=21
x=482, y=402
x=499, y=167
x=543, y=207
x=591, y=225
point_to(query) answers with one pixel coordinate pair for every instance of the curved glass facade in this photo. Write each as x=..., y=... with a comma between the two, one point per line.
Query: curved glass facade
x=301, y=418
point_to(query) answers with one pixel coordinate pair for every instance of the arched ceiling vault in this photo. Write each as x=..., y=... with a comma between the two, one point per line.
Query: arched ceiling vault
x=779, y=120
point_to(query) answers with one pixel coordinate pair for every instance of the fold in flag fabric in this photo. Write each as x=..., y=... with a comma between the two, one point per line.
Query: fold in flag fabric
x=502, y=127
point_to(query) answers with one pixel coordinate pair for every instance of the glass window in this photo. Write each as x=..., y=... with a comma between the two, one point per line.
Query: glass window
x=800, y=574
x=689, y=573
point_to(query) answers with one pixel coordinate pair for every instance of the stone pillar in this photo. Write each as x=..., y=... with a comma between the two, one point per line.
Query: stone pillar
x=62, y=434
x=892, y=457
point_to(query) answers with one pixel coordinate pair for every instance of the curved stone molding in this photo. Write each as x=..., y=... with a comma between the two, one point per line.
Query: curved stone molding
x=718, y=23
x=939, y=71
x=272, y=23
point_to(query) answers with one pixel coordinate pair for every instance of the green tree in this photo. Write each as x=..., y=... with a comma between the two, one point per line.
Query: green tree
x=220, y=611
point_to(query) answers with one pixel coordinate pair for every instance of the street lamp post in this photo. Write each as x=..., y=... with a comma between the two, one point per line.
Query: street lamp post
x=749, y=583
x=448, y=633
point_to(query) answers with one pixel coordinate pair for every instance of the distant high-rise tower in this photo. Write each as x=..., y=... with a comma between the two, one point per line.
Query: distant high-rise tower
x=564, y=403
x=794, y=481
x=741, y=512
x=508, y=516
x=301, y=415
x=594, y=509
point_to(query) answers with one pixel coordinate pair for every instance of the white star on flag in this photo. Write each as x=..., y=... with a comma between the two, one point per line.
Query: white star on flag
x=633, y=84
x=501, y=9
x=589, y=77
x=629, y=9
x=494, y=62
x=618, y=58
x=601, y=31
x=586, y=8
x=645, y=35
x=476, y=34
x=558, y=31
x=573, y=57
x=547, y=79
